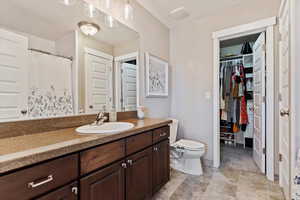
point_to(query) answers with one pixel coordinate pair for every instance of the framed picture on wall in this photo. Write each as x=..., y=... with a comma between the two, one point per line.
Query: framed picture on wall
x=157, y=70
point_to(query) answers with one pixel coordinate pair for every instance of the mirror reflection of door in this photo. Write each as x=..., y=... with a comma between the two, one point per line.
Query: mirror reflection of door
x=128, y=85
x=98, y=71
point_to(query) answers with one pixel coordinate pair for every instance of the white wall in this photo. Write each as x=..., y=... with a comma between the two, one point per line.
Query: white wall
x=191, y=57
x=126, y=48
x=154, y=38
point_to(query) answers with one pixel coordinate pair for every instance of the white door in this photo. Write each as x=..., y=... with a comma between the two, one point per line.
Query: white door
x=13, y=76
x=259, y=93
x=284, y=104
x=129, y=96
x=98, y=83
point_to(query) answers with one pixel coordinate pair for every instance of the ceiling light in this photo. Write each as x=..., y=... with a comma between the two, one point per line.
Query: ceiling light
x=110, y=21
x=128, y=11
x=90, y=10
x=88, y=28
x=68, y=2
x=107, y=4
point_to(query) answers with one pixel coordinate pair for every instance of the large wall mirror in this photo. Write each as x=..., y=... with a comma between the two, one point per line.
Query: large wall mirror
x=60, y=59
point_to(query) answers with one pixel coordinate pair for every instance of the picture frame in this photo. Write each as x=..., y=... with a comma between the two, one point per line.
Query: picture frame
x=157, y=76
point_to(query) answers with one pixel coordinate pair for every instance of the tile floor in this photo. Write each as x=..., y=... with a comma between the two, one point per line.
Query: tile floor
x=237, y=179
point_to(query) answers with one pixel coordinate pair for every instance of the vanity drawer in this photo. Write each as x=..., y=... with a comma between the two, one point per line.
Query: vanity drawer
x=69, y=192
x=161, y=134
x=28, y=183
x=95, y=158
x=138, y=142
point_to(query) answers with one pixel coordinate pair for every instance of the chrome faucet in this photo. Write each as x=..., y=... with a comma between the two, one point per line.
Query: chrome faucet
x=100, y=118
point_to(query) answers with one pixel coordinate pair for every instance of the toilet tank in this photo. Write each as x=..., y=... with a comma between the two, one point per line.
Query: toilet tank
x=173, y=130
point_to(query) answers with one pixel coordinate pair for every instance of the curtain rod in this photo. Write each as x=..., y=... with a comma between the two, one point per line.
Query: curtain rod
x=48, y=53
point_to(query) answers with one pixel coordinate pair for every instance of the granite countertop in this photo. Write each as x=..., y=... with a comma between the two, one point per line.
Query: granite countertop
x=21, y=151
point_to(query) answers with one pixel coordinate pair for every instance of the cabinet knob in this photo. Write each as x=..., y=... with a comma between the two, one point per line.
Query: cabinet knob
x=91, y=107
x=155, y=149
x=75, y=190
x=284, y=112
x=129, y=162
x=24, y=112
x=163, y=134
x=124, y=165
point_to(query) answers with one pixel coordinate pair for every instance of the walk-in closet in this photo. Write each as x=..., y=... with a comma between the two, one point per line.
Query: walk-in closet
x=239, y=100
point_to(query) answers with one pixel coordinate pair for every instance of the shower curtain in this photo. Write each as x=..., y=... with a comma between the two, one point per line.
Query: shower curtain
x=50, y=86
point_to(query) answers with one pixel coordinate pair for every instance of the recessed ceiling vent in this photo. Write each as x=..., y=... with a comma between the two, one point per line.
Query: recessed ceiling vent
x=179, y=13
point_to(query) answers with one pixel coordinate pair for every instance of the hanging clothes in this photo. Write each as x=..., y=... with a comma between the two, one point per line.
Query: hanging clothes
x=243, y=114
x=233, y=103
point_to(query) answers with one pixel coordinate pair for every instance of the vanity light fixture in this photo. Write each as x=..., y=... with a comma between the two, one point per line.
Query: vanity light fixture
x=110, y=21
x=90, y=10
x=108, y=4
x=128, y=11
x=68, y=2
x=88, y=28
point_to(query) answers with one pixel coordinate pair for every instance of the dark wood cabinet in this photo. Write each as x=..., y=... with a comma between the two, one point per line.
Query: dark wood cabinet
x=161, y=165
x=69, y=192
x=37, y=180
x=138, y=142
x=161, y=134
x=106, y=184
x=139, y=176
x=130, y=168
x=97, y=157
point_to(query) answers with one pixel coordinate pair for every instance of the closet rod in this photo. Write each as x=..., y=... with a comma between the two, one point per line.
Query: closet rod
x=48, y=53
x=232, y=60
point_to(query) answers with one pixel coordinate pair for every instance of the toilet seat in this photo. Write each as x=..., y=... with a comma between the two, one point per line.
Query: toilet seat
x=190, y=145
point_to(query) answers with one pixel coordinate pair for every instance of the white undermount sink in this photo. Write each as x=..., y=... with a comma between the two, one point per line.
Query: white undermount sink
x=106, y=128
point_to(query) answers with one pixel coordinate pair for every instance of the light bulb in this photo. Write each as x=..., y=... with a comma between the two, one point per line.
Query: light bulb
x=110, y=21
x=90, y=10
x=107, y=4
x=128, y=11
x=68, y=2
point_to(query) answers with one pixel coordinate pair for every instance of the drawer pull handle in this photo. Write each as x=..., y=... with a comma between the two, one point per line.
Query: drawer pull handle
x=34, y=185
x=163, y=134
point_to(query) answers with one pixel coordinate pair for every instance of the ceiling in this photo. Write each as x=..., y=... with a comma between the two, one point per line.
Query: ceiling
x=52, y=20
x=196, y=8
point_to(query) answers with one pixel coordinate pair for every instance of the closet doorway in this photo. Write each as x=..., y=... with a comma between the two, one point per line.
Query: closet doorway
x=244, y=96
x=242, y=103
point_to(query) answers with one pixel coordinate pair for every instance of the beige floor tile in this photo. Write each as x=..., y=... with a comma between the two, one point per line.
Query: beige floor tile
x=237, y=179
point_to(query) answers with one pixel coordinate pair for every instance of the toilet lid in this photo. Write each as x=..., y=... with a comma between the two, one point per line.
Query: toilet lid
x=190, y=144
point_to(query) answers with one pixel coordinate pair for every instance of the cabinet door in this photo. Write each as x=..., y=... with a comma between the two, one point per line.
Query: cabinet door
x=106, y=184
x=139, y=176
x=68, y=192
x=161, y=164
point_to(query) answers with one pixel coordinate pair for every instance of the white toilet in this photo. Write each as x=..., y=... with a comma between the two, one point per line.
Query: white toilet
x=185, y=154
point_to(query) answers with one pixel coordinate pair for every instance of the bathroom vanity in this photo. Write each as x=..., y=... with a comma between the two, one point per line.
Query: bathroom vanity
x=131, y=165
x=55, y=76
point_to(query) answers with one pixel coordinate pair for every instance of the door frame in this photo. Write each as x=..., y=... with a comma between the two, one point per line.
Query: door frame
x=294, y=89
x=100, y=54
x=117, y=60
x=294, y=110
x=266, y=25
